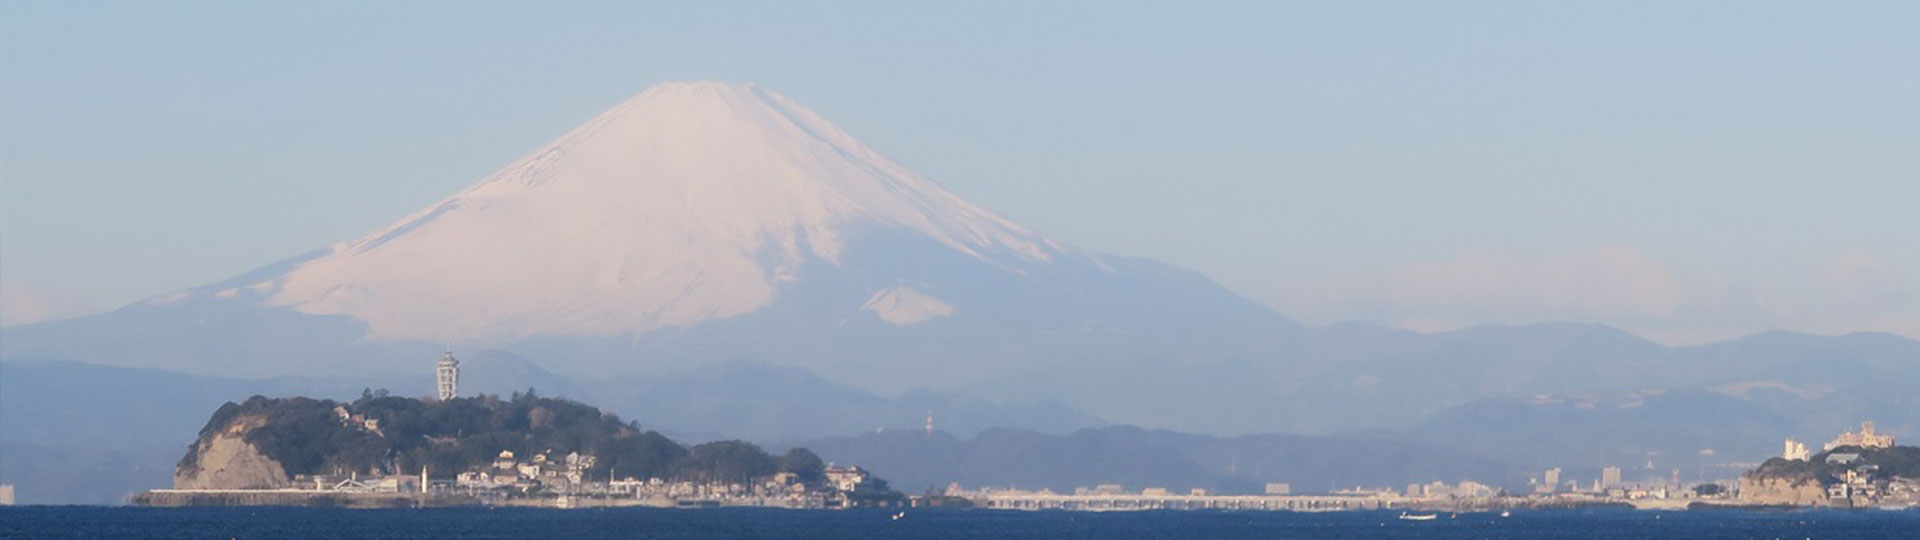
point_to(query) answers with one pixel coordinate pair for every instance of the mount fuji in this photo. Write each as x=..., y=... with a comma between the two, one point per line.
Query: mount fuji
x=701, y=224
x=714, y=256
x=692, y=224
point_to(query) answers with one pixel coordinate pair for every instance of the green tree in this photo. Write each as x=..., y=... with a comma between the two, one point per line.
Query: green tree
x=726, y=461
x=805, y=464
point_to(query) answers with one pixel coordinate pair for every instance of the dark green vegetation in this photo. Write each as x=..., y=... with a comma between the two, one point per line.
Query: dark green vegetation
x=307, y=436
x=1899, y=461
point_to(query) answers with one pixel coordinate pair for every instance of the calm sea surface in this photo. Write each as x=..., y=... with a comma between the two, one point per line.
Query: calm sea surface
x=108, y=522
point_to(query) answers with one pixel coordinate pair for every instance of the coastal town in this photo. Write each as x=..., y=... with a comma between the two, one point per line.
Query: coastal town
x=1852, y=481
x=1850, y=471
x=540, y=482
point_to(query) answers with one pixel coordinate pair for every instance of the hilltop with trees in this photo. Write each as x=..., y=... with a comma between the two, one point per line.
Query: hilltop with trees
x=379, y=434
x=1888, y=463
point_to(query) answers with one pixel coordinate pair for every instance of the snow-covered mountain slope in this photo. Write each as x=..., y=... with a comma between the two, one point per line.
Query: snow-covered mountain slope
x=701, y=223
x=693, y=223
x=688, y=202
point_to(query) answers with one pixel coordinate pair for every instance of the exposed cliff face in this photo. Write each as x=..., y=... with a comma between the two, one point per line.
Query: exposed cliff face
x=225, y=460
x=1760, y=489
x=1804, y=482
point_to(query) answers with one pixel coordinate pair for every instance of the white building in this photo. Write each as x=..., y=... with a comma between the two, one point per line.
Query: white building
x=1796, y=450
x=1866, y=438
x=1469, y=488
x=846, y=478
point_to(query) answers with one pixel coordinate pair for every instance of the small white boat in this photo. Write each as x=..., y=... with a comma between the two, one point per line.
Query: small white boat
x=1506, y=513
x=1419, y=517
x=899, y=516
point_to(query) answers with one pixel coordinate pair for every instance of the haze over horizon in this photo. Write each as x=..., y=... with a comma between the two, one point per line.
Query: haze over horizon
x=1677, y=176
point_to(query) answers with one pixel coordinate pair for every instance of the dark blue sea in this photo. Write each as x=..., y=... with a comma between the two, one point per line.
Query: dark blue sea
x=264, y=523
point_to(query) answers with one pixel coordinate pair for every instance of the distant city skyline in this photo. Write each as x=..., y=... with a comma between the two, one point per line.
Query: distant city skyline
x=1685, y=172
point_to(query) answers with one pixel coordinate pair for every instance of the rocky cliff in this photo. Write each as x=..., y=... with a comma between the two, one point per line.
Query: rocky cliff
x=1803, y=481
x=223, y=459
x=1804, y=491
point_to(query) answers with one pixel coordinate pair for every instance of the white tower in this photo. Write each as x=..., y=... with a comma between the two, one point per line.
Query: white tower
x=448, y=376
x=929, y=423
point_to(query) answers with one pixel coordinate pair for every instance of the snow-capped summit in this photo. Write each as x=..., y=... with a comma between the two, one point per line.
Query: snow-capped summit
x=692, y=224
x=688, y=202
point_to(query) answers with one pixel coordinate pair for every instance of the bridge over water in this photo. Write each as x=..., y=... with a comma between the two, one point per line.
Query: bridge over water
x=1135, y=501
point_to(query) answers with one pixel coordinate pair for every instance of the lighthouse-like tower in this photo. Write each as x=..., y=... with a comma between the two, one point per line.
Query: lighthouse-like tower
x=448, y=376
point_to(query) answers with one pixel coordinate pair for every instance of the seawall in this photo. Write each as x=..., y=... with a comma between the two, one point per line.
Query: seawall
x=294, y=497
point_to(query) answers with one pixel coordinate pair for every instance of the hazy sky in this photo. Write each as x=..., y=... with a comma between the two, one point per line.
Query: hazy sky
x=1688, y=172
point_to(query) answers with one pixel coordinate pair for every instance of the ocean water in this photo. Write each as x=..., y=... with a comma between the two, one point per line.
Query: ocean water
x=264, y=523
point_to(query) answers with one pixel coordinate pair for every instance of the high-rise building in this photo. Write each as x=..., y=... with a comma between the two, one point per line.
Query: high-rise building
x=1553, y=479
x=1609, y=477
x=447, y=377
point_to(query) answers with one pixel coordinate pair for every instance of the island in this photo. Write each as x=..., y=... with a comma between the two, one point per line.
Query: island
x=1856, y=470
x=382, y=451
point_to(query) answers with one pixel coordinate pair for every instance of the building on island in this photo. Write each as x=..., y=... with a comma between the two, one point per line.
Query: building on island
x=357, y=421
x=1796, y=450
x=1866, y=438
x=1609, y=477
x=854, y=487
x=447, y=375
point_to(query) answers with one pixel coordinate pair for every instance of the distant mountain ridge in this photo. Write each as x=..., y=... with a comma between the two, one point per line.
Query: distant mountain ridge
x=770, y=403
x=1648, y=434
x=692, y=224
x=1137, y=458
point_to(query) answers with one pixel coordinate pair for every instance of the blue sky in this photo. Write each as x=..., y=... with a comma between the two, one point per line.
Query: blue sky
x=1688, y=171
